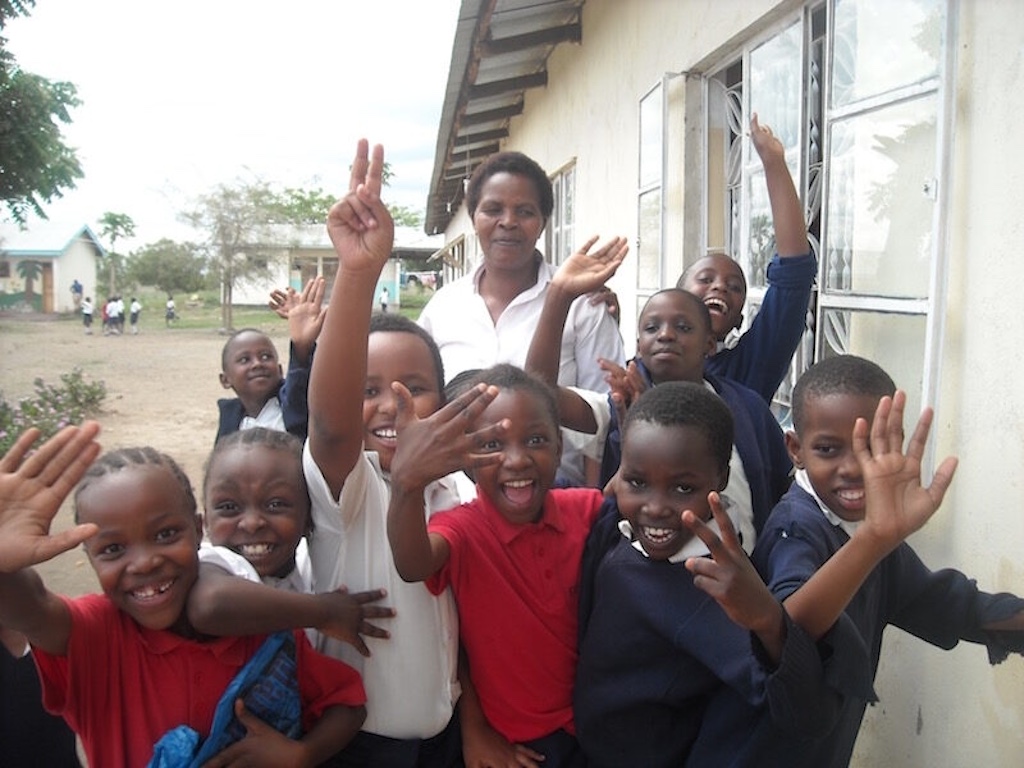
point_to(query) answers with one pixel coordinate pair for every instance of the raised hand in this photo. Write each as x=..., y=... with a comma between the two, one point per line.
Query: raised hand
x=306, y=315
x=767, y=144
x=625, y=384
x=350, y=614
x=359, y=224
x=281, y=302
x=730, y=578
x=446, y=441
x=896, y=504
x=584, y=271
x=32, y=488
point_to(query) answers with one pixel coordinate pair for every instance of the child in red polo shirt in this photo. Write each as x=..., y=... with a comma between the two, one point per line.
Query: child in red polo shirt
x=125, y=667
x=511, y=556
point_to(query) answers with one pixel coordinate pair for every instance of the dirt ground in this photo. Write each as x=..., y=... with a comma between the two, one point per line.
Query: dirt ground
x=162, y=390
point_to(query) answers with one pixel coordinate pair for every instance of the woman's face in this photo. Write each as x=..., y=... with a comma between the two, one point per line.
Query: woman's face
x=508, y=221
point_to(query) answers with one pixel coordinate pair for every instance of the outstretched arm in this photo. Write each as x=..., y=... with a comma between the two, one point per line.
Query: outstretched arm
x=32, y=488
x=362, y=232
x=428, y=449
x=223, y=604
x=787, y=211
x=730, y=578
x=581, y=273
x=896, y=505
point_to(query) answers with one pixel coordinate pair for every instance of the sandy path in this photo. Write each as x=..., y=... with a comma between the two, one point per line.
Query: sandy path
x=162, y=389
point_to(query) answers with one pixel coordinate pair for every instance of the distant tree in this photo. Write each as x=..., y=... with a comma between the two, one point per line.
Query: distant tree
x=172, y=267
x=238, y=221
x=305, y=206
x=29, y=271
x=35, y=164
x=405, y=216
x=116, y=226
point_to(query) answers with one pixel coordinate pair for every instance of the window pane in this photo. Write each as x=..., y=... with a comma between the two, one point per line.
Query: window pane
x=649, y=253
x=650, y=138
x=776, y=82
x=895, y=342
x=880, y=206
x=884, y=44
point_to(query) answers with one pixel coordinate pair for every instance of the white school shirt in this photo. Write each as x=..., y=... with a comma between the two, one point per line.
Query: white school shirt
x=270, y=416
x=458, y=319
x=410, y=680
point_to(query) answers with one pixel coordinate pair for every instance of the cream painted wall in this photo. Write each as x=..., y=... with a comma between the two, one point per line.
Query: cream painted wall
x=937, y=708
x=951, y=708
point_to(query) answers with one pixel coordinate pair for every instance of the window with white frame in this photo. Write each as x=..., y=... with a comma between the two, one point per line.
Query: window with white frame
x=856, y=91
x=560, y=237
x=650, y=204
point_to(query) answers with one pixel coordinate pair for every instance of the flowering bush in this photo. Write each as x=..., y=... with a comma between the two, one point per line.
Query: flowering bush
x=51, y=408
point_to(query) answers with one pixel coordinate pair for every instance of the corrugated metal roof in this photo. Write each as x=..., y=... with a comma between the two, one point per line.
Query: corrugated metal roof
x=501, y=49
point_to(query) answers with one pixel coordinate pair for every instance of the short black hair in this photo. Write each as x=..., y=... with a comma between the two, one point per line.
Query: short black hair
x=840, y=375
x=123, y=458
x=698, y=305
x=686, y=404
x=392, y=322
x=517, y=164
x=511, y=377
x=681, y=282
x=272, y=438
x=460, y=383
x=235, y=335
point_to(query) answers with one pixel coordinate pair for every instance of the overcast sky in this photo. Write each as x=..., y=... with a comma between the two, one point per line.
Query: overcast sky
x=179, y=97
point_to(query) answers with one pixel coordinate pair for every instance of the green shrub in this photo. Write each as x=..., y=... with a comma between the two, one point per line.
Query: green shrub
x=51, y=408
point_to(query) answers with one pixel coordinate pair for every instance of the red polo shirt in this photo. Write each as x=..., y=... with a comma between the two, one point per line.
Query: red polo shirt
x=121, y=687
x=517, y=589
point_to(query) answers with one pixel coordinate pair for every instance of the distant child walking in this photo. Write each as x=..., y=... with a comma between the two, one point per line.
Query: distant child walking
x=134, y=308
x=384, y=297
x=87, y=310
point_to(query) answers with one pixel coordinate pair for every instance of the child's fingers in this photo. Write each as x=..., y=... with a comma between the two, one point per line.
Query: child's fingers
x=583, y=249
x=470, y=404
x=75, y=457
x=727, y=531
x=375, y=172
x=894, y=423
x=528, y=758
x=701, y=530
x=372, y=630
x=16, y=453
x=942, y=478
x=476, y=459
x=378, y=612
x=405, y=410
x=369, y=596
x=919, y=439
x=861, y=449
x=359, y=165
x=879, y=424
x=59, y=543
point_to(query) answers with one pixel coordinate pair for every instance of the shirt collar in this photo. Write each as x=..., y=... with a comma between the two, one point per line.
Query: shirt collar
x=231, y=650
x=850, y=526
x=550, y=517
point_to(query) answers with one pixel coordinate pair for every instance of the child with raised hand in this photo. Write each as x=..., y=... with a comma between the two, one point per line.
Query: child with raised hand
x=674, y=338
x=849, y=512
x=410, y=678
x=257, y=517
x=124, y=667
x=265, y=397
x=510, y=557
x=760, y=358
x=668, y=672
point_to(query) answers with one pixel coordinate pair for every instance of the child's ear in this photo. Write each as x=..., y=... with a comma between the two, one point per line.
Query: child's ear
x=711, y=345
x=793, y=447
x=739, y=321
x=224, y=381
x=723, y=479
x=199, y=529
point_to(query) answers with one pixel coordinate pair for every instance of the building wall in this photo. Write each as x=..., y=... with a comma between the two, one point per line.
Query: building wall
x=78, y=262
x=937, y=708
